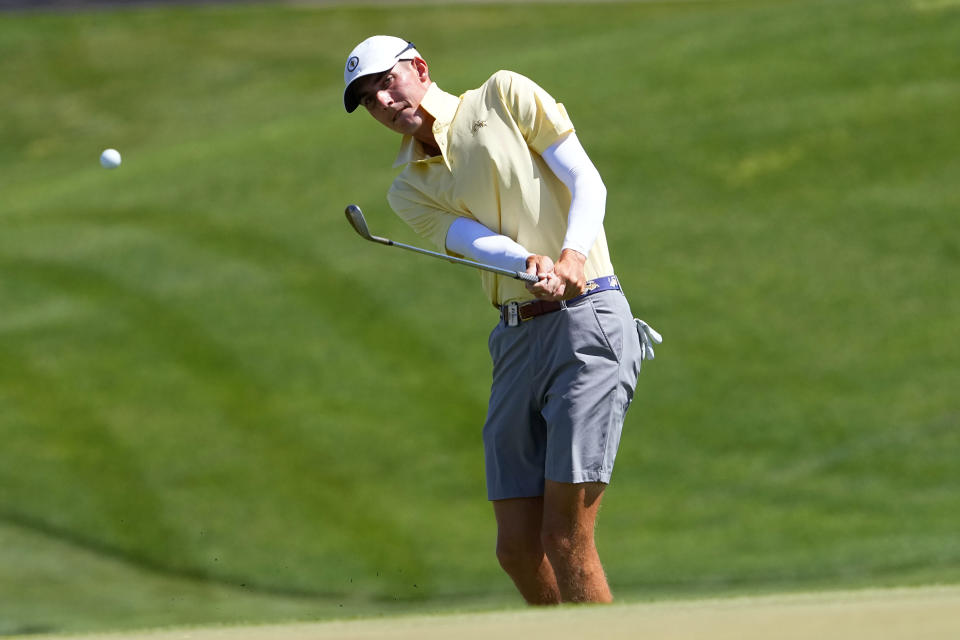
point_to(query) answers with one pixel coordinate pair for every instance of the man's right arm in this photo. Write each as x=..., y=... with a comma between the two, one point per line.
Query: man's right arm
x=469, y=238
x=466, y=237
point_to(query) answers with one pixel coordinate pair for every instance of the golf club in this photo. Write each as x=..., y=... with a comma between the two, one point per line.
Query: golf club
x=355, y=217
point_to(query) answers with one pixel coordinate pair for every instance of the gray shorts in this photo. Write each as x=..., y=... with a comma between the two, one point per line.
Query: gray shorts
x=562, y=383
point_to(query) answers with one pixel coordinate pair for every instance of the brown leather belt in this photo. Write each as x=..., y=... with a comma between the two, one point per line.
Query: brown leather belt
x=514, y=313
x=529, y=310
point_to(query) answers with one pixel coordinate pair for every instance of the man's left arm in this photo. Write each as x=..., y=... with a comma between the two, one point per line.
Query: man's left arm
x=588, y=196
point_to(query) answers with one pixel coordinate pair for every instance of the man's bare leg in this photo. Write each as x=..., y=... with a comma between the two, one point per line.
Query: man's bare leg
x=569, y=516
x=520, y=551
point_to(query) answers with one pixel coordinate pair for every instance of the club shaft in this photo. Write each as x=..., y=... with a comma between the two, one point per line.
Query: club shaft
x=518, y=275
x=359, y=224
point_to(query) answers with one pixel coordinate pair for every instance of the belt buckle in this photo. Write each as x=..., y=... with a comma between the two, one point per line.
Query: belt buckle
x=511, y=314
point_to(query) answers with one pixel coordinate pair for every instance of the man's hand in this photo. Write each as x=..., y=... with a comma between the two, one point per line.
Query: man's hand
x=569, y=269
x=549, y=286
x=560, y=281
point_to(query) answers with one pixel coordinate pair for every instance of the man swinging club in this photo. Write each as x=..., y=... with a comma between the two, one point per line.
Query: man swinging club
x=498, y=176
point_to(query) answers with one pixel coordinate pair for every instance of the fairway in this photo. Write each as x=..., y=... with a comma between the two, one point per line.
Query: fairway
x=221, y=406
x=896, y=614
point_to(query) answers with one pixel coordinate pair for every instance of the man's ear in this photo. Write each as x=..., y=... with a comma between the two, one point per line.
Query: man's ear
x=423, y=71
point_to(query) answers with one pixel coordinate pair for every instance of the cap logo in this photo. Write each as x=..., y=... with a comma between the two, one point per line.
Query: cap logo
x=352, y=64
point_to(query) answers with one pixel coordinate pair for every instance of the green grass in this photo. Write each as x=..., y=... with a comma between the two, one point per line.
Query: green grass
x=218, y=404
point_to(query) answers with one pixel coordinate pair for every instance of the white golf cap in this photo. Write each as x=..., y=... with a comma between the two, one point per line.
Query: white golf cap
x=376, y=54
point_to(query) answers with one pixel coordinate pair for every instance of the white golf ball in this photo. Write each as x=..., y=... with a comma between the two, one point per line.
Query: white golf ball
x=110, y=159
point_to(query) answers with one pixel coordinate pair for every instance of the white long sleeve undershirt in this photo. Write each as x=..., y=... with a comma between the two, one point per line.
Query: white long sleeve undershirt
x=588, y=196
x=568, y=160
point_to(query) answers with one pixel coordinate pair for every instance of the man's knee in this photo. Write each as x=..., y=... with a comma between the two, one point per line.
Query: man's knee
x=563, y=543
x=518, y=554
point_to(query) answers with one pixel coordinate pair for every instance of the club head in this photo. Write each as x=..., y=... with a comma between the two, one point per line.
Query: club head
x=355, y=218
x=359, y=224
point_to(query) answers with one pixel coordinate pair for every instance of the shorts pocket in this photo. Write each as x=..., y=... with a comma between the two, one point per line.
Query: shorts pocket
x=611, y=327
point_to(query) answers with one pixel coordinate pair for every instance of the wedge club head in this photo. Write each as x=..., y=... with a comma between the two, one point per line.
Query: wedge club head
x=359, y=224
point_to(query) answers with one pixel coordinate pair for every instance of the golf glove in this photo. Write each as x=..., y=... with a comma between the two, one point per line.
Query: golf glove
x=648, y=336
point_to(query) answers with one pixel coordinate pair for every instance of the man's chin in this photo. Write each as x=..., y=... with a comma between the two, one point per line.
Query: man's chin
x=407, y=126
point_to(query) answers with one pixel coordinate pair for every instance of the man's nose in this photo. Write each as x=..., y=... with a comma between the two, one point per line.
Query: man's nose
x=384, y=99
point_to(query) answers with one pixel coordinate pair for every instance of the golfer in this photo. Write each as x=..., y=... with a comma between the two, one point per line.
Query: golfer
x=498, y=175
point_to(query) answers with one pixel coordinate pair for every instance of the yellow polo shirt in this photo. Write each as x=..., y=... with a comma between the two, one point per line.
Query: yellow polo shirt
x=490, y=170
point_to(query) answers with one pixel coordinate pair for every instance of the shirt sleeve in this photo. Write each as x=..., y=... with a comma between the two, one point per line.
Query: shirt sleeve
x=424, y=216
x=541, y=119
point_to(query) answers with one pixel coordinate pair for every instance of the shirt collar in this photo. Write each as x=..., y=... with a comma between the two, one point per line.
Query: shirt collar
x=443, y=107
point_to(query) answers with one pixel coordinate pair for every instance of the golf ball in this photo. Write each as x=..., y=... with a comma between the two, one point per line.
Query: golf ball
x=110, y=159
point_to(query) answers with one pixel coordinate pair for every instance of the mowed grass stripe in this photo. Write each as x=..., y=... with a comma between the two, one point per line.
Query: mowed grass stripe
x=241, y=404
x=244, y=402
